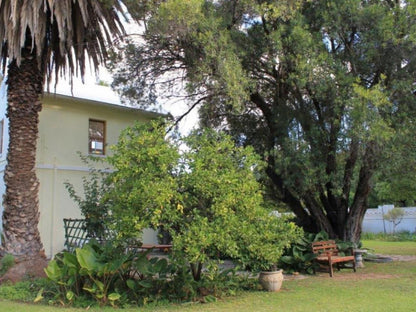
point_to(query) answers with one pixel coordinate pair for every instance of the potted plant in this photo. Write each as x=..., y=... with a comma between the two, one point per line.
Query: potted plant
x=271, y=280
x=264, y=245
x=266, y=259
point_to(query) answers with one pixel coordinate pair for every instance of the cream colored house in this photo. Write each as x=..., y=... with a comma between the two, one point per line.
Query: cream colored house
x=69, y=125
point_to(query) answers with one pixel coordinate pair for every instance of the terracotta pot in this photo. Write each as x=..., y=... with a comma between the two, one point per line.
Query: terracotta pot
x=271, y=280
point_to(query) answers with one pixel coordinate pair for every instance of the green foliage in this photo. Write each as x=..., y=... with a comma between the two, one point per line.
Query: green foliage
x=319, y=88
x=224, y=204
x=207, y=199
x=262, y=245
x=345, y=248
x=93, y=271
x=298, y=294
x=395, y=182
x=6, y=262
x=93, y=205
x=403, y=236
x=110, y=276
x=25, y=290
x=394, y=216
x=143, y=183
x=299, y=257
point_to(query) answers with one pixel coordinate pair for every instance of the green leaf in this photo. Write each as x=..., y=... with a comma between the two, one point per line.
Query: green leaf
x=87, y=258
x=100, y=285
x=90, y=290
x=297, y=253
x=99, y=296
x=70, y=260
x=53, y=271
x=210, y=298
x=70, y=295
x=145, y=284
x=39, y=296
x=287, y=259
x=160, y=266
x=308, y=257
x=142, y=264
x=131, y=284
x=114, y=296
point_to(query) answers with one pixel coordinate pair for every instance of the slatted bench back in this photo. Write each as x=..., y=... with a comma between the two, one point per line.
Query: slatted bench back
x=324, y=247
x=75, y=233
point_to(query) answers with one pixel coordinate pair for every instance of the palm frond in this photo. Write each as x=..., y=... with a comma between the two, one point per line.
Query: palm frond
x=61, y=33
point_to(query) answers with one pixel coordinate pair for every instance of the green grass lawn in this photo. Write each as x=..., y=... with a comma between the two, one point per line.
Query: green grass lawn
x=391, y=248
x=377, y=287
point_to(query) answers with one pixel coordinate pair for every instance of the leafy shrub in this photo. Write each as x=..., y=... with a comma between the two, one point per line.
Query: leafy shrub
x=94, y=206
x=299, y=257
x=394, y=216
x=93, y=271
x=6, y=262
x=208, y=198
x=109, y=275
x=264, y=241
x=25, y=290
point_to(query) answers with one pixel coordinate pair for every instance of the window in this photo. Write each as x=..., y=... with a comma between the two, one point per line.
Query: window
x=96, y=132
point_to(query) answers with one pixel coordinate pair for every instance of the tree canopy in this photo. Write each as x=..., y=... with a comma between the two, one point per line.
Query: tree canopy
x=317, y=87
x=395, y=180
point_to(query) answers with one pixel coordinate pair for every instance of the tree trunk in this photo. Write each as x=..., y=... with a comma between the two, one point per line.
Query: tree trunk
x=21, y=236
x=196, y=269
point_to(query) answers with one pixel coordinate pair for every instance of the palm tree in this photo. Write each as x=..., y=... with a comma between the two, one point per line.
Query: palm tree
x=42, y=38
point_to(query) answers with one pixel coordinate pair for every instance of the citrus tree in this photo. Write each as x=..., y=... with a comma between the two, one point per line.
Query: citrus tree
x=207, y=197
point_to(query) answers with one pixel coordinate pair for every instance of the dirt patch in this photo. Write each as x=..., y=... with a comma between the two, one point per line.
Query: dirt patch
x=359, y=275
x=401, y=258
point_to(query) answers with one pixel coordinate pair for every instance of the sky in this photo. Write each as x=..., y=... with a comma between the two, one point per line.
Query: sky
x=91, y=90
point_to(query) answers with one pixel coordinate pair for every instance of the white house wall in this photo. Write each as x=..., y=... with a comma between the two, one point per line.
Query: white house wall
x=63, y=131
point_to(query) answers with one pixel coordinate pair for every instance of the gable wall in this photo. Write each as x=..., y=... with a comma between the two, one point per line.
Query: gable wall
x=63, y=132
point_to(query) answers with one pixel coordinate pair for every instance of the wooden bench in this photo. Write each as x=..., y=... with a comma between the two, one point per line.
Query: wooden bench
x=327, y=254
x=164, y=248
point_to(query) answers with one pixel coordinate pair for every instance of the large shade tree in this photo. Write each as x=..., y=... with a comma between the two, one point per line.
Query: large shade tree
x=317, y=87
x=41, y=38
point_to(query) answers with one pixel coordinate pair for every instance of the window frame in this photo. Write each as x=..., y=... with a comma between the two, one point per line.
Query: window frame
x=90, y=138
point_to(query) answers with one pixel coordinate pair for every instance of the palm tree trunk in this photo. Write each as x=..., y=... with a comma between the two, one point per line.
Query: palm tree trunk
x=21, y=236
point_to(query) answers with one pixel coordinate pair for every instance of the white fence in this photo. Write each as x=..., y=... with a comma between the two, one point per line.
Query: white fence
x=374, y=223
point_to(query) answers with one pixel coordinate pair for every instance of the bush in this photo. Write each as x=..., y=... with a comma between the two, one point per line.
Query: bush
x=394, y=216
x=26, y=290
x=299, y=257
x=6, y=262
x=109, y=276
x=94, y=205
x=93, y=271
x=208, y=198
